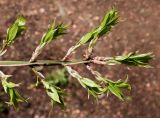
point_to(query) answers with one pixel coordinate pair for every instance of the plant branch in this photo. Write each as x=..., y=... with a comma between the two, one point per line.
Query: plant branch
x=132, y=59
x=41, y=63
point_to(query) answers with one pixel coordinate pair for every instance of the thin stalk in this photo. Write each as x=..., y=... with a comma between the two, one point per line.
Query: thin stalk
x=41, y=63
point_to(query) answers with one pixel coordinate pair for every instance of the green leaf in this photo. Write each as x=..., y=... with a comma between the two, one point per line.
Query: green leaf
x=93, y=88
x=116, y=91
x=109, y=20
x=86, y=38
x=116, y=87
x=89, y=82
x=134, y=59
x=15, y=30
x=123, y=85
x=14, y=96
x=11, y=33
x=53, y=32
x=54, y=93
x=11, y=84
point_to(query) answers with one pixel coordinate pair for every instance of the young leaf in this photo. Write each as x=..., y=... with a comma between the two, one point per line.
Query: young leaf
x=116, y=87
x=53, y=32
x=116, y=91
x=132, y=59
x=86, y=38
x=54, y=93
x=89, y=82
x=14, y=30
x=15, y=97
x=93, y=88
x=109, y=20
x=10, y=89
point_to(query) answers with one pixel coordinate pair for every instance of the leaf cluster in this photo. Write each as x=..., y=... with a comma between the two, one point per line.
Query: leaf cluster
x=114, y=87
x=50, y=84
x=110, y=19
x=10, y=89
x=132, y=59
x=15, y=30
x=53, y=32
x=54, y=92
x=92, y=87
x=105, y=85
x=117, y=87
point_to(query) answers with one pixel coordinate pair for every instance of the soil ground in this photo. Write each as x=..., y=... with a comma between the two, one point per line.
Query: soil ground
x=139, y=29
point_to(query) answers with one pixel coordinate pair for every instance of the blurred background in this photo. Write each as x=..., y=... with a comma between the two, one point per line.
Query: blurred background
x=139, y=29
